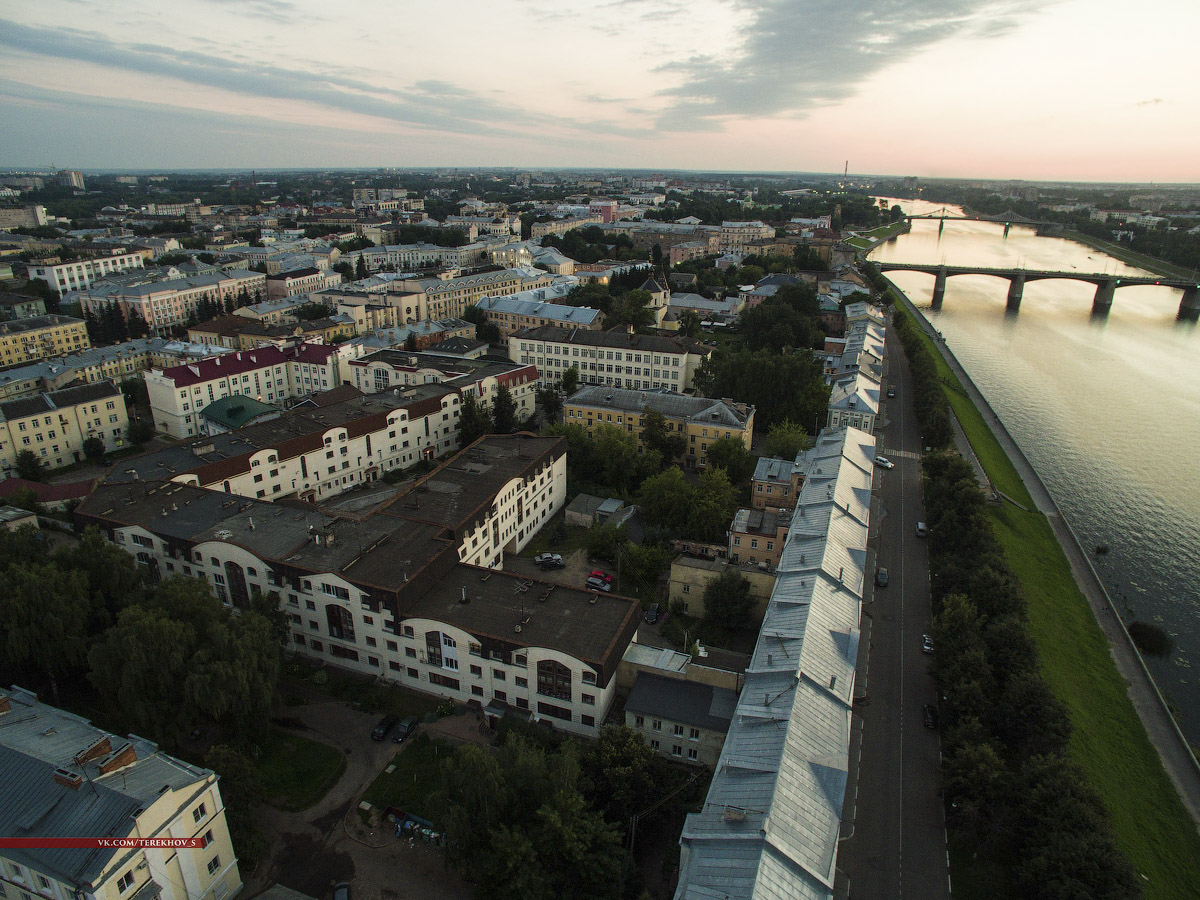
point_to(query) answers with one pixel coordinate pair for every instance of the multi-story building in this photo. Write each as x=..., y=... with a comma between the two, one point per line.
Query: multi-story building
x=167, y=298
x=699, y=420
x=55, y=425
x=412, y=592
x=449, y=295
x=268, y=374
x=21, y=306
x=22, y=217
x=854, y=403
x=532, y=309
x=241, y=333
x=562, y=226
x=775, y=484
x=774, y=806
x=312, y=452
x=756, y=537
x=77, y=780
x=41, y=337
x=295, y=282
x=482, y=379
x=616, y=358
x=735, y=236
x=79, y=275
x=279, y=311
x=680, y=719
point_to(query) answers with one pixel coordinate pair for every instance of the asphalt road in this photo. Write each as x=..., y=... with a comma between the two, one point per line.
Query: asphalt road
x=893, y=834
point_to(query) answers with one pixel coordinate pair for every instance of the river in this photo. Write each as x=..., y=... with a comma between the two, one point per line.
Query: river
x=1107, y=410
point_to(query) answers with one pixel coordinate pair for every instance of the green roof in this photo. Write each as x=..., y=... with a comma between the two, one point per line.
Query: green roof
x=236, y=411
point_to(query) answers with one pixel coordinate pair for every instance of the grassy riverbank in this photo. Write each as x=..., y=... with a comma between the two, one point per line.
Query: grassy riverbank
x=1132, y=257
x=1108, y=741
x=865, y=240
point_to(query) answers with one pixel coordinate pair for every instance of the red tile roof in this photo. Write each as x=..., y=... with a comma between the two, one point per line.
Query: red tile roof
x=245, y=361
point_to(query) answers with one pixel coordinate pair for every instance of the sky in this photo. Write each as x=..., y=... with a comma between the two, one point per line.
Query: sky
x=1081, y=90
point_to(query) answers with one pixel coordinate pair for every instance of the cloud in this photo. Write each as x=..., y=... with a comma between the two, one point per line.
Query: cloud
x=793, y=57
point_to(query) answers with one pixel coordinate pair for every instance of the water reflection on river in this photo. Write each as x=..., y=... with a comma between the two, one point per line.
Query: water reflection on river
x=1107, y=410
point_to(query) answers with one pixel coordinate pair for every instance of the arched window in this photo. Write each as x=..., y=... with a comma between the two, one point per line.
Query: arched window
x=553, y=679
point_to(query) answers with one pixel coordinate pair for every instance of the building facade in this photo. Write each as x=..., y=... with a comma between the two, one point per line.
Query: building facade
x=533, y=309
x=169, y=299
x=42, y=337
x=681, y=720
x=55, y=425
x=77, y=780
x=79, y=275
x=615, y=358
x=699, y=420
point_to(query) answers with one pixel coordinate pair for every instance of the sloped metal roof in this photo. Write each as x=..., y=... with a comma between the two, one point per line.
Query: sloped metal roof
x=769, y=827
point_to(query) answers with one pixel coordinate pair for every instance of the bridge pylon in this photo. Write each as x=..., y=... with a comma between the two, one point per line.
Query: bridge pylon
x=1016, y=289
x=939, y=288
x=1189, y=305
x=1103, y=301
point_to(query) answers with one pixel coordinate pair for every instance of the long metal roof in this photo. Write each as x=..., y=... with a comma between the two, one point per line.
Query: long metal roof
x=769, y=826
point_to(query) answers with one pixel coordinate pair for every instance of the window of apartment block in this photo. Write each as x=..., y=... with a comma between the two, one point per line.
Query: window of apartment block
x=676, y=750
x=477, y=671
x=656, y=724
x=124, y=883
x=589, y=721
x=639, y=721
x=199, y=812
x=693, y=754
x=214, y=864
x=677, y=730
x=412, y=673
x=694, y=734
x=654, y=746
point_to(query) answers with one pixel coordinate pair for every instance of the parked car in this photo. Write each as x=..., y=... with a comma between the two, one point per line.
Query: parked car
x=884, y=463
x=881, y=577
x=600, y=574
x=341, y=891
x=931, y=716
x=891, y=392
x=550, y=561
x=598, y=584
x=922, y=529
x=652, y=613
x=406, y=727
x=927, y=644
x=384, y=728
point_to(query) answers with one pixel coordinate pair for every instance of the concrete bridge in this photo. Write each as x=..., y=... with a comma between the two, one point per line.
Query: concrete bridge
x=1005, y=218
x=1106, y=284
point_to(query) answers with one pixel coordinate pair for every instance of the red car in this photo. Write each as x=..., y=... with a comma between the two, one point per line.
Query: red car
x=603, y=576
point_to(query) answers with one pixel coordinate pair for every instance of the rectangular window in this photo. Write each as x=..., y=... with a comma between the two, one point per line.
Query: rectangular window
x=693, y=755
x=589, y=721
x=676, y=750
x=199, y=813
x=656, y=724
x=694, y=734
x=588, y=700
x=522, y=682
x=214, y=864
x=558, y=712
x=412, y=673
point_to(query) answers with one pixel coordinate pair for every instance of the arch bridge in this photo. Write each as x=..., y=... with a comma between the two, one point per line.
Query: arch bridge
x=1106, y=284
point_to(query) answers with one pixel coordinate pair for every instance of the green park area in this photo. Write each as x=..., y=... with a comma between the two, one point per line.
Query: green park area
x=296, y=772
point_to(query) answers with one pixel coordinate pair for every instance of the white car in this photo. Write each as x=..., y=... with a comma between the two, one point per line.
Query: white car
x=884, y=462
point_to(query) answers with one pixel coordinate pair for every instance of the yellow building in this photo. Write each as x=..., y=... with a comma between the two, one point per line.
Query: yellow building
x=27, y=340
x=55, y=425
x=79, y=781
x=700, y=420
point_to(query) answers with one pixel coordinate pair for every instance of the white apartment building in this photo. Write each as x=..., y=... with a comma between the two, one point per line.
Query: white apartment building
x=79, y=275
x=480, y=378
x=67, y=778
x=55, y=425
x=532, y=309
x=617, y=358
x=735, y=236
x=315, y=451
x=413, y=593
x=268, y=374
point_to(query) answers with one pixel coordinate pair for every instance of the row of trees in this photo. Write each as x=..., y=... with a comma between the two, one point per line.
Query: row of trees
x=110, y=326
x=929, y=401
x=1013, y=791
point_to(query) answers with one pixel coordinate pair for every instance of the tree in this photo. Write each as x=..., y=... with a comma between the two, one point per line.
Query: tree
x=666, y=499
x=504, y=411
x=779, y=386
x=715, y=504
x=785, y=440
x=550, y=402
x=360, y=268
x=618, y=773
x=689, y=323
x=241, y=792
x=29, y=467
x=730, y=454
x=570, y=381
x=113, y=578
x=140, y=431
x=630, y=310
x=474, y=421
x=656, y=437
x=43, y=618
x=727, y=600
x=93, y=449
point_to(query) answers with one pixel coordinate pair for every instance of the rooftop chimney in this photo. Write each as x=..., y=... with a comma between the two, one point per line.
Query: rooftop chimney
x=68, y=779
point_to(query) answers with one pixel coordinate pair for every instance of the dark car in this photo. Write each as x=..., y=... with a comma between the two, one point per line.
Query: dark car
x=549, y=561
x=652, y=613
x=931, y=716
x=384, y=728
x=404, y=729
x=891, y=392
x=926, y=643
x=881, y=577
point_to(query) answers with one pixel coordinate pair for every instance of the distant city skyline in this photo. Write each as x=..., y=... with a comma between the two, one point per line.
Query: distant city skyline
x=1073, y=90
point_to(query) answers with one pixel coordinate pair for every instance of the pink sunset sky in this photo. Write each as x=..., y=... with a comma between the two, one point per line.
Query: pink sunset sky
x=1087, y=90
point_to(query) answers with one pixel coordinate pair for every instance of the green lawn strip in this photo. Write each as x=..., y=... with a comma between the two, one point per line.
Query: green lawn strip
x=296, y=772
x=417, y=776
x=545, y=540
x=1109, y=743
x=995, y=461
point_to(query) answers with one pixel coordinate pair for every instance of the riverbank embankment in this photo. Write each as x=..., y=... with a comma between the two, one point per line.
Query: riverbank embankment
x=1125, y=738
x=1130, y=257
